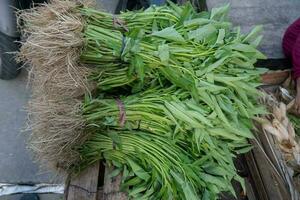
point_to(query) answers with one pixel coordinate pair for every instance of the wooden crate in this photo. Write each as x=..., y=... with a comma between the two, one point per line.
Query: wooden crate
x=94, y=183
x=275, y=77
x=271, y=175
x=262, y=168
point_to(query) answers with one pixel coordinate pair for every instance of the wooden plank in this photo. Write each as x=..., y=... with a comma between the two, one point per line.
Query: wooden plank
x=275, y=77
x=111, y=188
x=271, y=180
x=243, y=170
x=277, y=158
x=257, y=184
x=251, y=195
x=269, y=150
x=85, y=185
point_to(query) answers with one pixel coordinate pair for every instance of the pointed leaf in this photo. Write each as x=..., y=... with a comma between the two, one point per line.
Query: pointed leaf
x=220, y=13
x=170, y=34
x=202, y=32
x=163, y=53
x=253, y=34
x=138, y=170
x=221, y=35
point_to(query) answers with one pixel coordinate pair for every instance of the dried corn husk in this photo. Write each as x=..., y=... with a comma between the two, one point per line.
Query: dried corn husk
x=278, y=124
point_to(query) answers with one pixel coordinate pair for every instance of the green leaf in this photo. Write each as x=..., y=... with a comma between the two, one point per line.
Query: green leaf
x=171, y=116
x=127, y=47
x=125, y=173
x=219, y=181
x=243, y=47
x=223, y=133
x=220, y=13
x=170, y=34
x=216, y=170
x=202, y=33
x=253, y=34
x=241, y=131
x=115, y=138
x=177, y=178
x=217, y=64
x=114, y=173
x=199, y=117
x=199, y=136
x=260, y=55
x=137, y=189
x=206, y=195
x=196, y=22
x=148, y=193
x=139, y=67
x=117, y=164
x=257, y=41
x=163, y=53
x=244, y=150
x=178, y=112
x=132, y=182
x=241, y=181
x=185, y=14
x=210, y=77
x=221, y=36
x=207, y=99
x=189, y=192
x=175, y=7
x=138, y=170
x=241, y=107
x=154, y=26
x=219, y=111
x=232, y=191
x=87, y=98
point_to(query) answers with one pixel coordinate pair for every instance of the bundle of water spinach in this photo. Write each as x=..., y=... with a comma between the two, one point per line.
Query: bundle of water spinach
x=176, y=94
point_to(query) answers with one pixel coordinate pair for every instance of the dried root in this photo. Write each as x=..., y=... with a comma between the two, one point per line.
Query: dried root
x=53, y=44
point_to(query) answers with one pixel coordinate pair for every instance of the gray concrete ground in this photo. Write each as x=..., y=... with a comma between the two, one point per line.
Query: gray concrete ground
x=274, y=15
x=107, y=5
x=16, y=165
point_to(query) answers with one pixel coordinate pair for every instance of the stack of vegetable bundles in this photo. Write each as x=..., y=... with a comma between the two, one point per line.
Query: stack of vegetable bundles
x=166, y=95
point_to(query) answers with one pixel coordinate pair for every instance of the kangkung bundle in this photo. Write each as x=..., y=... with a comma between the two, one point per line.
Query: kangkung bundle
x=166, y=95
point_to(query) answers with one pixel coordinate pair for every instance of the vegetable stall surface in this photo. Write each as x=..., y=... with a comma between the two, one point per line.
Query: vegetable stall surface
x=169, y=99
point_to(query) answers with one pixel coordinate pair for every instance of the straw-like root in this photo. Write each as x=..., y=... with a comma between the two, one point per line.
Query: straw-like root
x=56, y=129
x=52, y=48
x=53, y=44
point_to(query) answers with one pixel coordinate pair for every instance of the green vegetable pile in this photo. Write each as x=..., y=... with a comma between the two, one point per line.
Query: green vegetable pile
x=176, y=92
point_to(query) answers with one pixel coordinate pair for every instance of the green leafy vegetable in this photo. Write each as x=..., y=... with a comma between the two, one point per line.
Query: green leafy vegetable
x=185, y=87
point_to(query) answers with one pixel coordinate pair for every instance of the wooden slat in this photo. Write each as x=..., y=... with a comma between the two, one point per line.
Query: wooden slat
x=268, y=182
x=285, y=186
x=251, y=195
x=258, y=183
x=85, y=185
x=111, y=188
x=275, y=77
